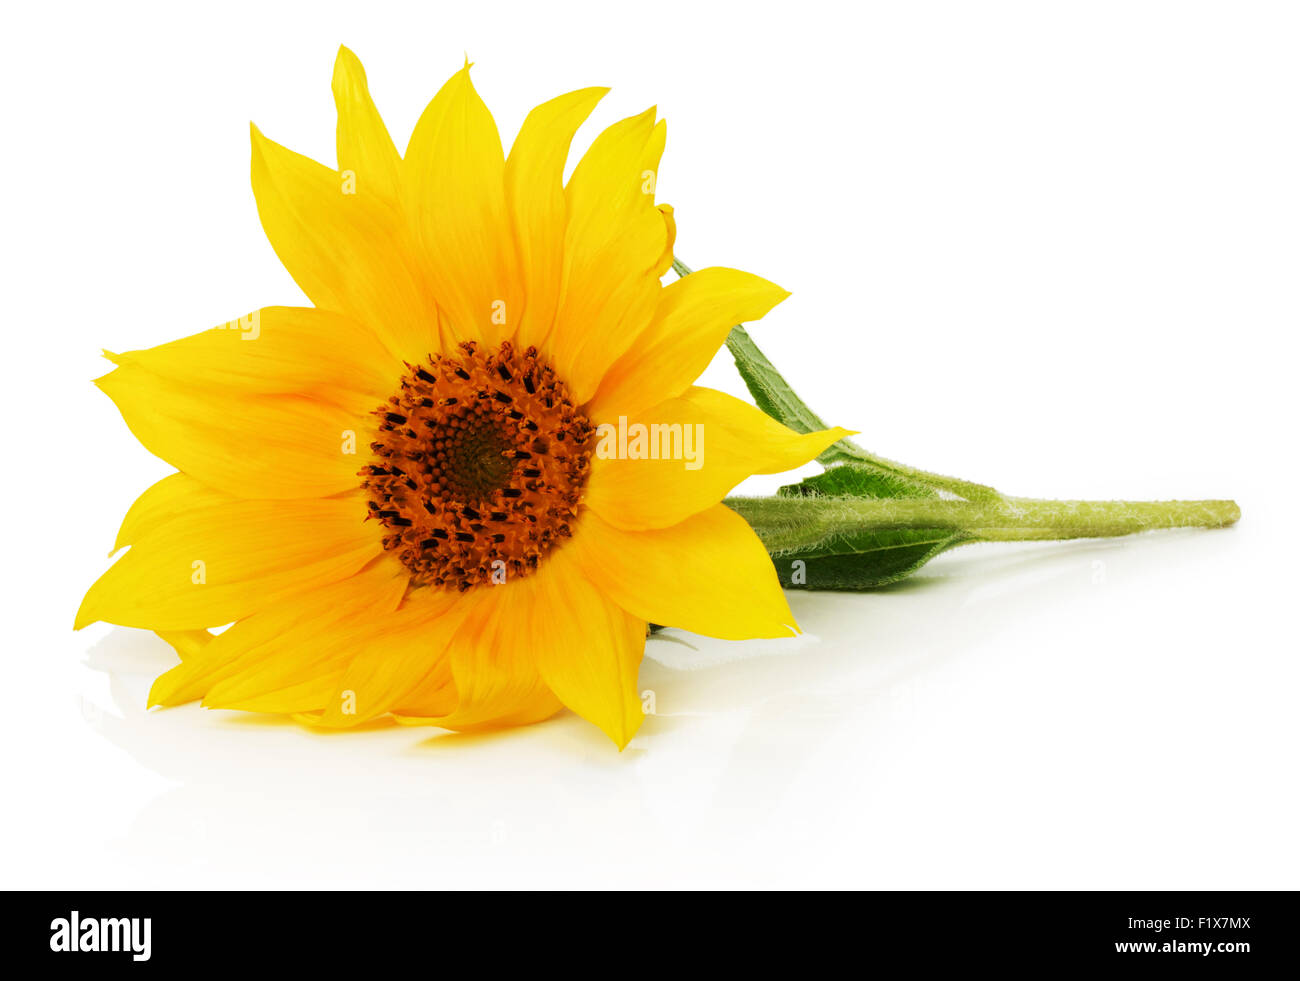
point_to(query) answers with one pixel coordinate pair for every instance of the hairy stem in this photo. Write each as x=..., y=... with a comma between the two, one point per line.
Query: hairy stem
x=891, y=506
x=793, y=523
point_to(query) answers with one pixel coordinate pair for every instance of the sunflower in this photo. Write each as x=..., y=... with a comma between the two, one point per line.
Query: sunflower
x=429, y=496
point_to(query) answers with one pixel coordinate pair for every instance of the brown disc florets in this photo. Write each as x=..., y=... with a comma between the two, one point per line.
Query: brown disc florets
x=478, y=467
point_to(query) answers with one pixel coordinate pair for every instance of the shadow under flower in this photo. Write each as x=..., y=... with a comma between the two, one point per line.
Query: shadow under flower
x=734, y=727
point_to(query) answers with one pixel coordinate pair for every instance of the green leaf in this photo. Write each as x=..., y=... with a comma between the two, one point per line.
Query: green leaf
x=828, y=542
x=773, y=394
x=856, y=480
x=775, y=397
x=852, y=558
x=879, y=558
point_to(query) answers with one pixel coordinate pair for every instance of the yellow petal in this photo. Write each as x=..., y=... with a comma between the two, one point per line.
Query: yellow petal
x=211, y=564
x=255, y=446
x=589, y=649
x=534, y=180
x=710, y=574
x=614, y=242
x=489, y=677
x=454, y=171
x=730, y=441
x=350, y=253
x=525, y=644
x=278, y=351
x=399, y=654
x=692, y=320
x=189, y=645
x=294, y=663
x=174, y=493
x=305, y=640
x=670, y=224
x=364, y=146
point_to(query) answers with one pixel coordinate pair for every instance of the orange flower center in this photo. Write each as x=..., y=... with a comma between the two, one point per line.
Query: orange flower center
x=479, y=466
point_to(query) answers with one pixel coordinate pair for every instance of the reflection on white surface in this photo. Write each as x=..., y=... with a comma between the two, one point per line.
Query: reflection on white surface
x=969, y=727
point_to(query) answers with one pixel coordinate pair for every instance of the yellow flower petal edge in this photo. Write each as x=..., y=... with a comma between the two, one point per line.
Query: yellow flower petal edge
x=691, y=321
x=196, y=564
x=405, y=502
x=534, y=179
x=454, y=194
x=364, y=145
x=707, y=575
x=732, y=439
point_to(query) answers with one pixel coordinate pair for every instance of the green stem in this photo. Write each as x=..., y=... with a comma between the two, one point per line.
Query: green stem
x=870, y=521
x=787, y=524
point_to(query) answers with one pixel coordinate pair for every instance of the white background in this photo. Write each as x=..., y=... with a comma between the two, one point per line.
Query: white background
x=1052, y=247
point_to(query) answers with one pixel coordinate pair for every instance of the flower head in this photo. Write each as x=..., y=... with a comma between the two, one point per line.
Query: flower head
x=458, y=487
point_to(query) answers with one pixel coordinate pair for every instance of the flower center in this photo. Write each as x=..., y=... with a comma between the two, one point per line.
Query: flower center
x=479, y=466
